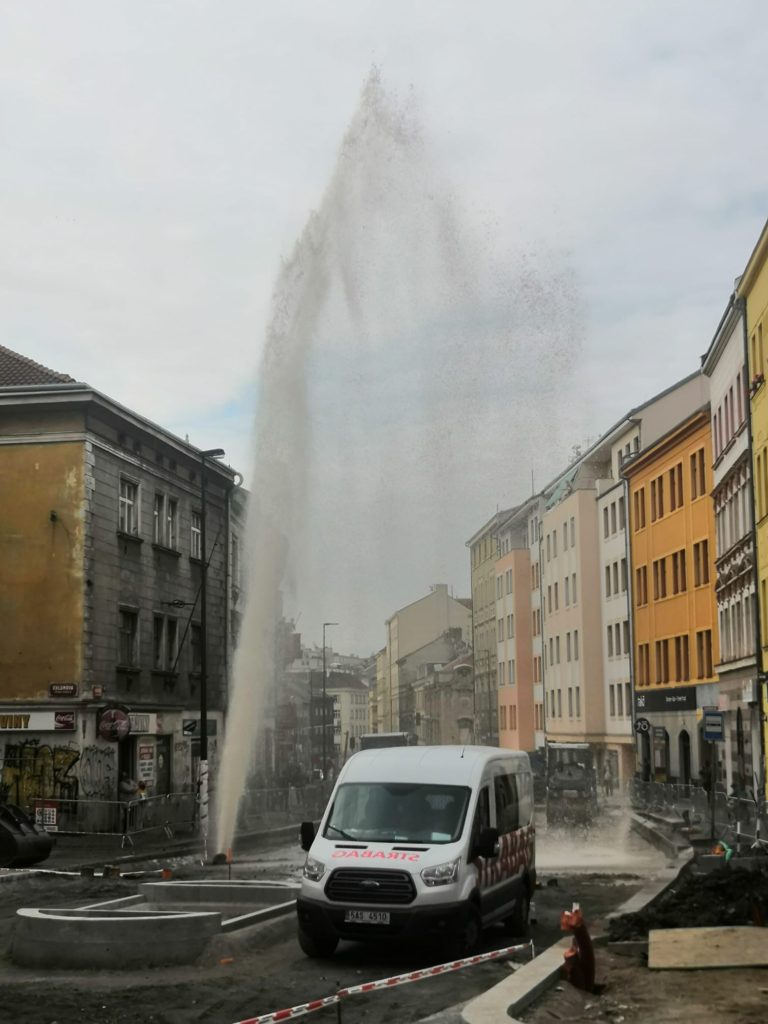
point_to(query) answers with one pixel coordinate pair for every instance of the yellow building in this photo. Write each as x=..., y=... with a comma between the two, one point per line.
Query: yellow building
x=674, y=610
x=484, y=551
x=753, y=291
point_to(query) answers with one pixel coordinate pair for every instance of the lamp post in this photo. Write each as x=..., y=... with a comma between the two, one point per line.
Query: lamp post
x=325, y=626
x=211, y=453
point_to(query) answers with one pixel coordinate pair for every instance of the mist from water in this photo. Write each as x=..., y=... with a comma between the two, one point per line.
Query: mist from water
x=401, y=389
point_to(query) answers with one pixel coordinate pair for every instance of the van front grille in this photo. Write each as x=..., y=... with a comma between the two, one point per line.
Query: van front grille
x=364, y=885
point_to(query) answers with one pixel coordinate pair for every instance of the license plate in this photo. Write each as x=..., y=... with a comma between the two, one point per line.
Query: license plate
x=366, y=917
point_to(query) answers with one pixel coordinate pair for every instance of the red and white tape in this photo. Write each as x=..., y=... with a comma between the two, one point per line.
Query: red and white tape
x=397, y=979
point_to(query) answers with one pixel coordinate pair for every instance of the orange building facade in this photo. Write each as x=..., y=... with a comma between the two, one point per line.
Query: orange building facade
x=674, y=610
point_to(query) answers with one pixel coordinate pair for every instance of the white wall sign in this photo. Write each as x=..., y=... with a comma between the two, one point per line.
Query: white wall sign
x=38, y=721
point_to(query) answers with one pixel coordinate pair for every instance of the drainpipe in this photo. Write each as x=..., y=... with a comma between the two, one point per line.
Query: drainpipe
x=630, y=610
x=741, y=304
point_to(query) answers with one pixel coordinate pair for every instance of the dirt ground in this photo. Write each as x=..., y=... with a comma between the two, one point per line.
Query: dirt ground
x=633, y=994
x=263, y=968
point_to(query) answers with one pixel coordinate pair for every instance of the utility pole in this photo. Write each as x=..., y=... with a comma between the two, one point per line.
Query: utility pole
x=211, y=453
x=325, y=762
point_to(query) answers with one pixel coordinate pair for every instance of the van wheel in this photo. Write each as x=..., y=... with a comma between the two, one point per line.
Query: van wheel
x=465, y=940
x=517, y=922
x=317, y=945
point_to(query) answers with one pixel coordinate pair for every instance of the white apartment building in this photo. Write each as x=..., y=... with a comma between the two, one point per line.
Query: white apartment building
x=725, y=366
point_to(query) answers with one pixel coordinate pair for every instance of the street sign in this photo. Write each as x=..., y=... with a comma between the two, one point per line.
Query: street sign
x=713, y=725
x=642, y=725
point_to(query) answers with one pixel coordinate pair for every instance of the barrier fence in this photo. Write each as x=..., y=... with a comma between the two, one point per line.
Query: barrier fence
x=175, y=813
x=398, y=979
x=743, y=819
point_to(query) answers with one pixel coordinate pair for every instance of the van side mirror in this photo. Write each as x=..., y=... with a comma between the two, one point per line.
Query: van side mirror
x=307, y=833
x=488, y=843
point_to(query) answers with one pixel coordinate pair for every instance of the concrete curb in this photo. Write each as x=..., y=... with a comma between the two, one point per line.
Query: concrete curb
x=516, y=993
x=668, y=846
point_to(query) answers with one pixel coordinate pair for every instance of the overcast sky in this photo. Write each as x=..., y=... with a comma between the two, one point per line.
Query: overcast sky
x=159, y=159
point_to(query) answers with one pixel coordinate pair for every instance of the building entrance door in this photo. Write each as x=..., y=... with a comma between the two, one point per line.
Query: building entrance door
x=162, y=765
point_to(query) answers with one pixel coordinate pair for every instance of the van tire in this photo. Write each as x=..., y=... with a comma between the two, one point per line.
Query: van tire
x=517, y=923
x=465, y=940
x=317, y=945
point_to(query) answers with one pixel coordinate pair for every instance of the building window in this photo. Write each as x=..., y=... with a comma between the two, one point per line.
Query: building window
x=165, y=515
x=641, y=585
x=557, y=600
x=617, y=638
x=128, y=507
x=606, y=529
x=657, y=498
x=614, y=522
x=662, y=661
x=643, y=664
x=157, y=641
x=557, y=649
x=659, y=579
x=129, y=629
x=573, y=588
x=704, y=653
x=195, y=536
x=575, y=645
x=676, y=487
x=570, y=702
x=501, y=673
x=615, y=569
x=567, y=591
x=609, y=631
x=559, y=703
x=612, y=701
x=701, y=563
x=578, y=702
x=573, y=531
x=698, y=475
x=549, y=548
x=682, y=669
x=500, y=630
x=679, y=582
x=509, y=581
x=607, y=581
x=625, y=634
x=627, y=698
x=622, y=515
x=512, y=677
x=639, y=499
x=568, y=646
x=565, y=536
x=171, y=644
x=510, y=626
x=623, y=566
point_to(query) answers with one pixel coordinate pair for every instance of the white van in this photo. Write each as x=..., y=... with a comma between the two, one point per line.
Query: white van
x=420, y=842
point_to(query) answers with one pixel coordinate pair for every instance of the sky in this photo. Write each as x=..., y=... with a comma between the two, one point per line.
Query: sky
x=160, y=159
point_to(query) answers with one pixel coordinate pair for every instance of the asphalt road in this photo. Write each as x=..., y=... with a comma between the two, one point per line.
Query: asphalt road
x=263, y=969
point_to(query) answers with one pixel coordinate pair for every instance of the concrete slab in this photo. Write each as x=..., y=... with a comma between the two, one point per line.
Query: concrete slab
x=519, y=990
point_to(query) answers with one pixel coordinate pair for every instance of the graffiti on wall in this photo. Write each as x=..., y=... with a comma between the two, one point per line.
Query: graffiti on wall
x=96, y=772
x=31, y=770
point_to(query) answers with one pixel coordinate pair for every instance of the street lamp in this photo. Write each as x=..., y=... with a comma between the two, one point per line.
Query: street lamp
x=210, y=453
x=325, y=626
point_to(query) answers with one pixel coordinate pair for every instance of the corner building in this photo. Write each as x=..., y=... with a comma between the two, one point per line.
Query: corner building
x=674, y=609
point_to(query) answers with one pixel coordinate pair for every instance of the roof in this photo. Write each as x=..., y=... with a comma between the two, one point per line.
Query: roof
x=663, y=444
x=444, y=765
x=17, y=370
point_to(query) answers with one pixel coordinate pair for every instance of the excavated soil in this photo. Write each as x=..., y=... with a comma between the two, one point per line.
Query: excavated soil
x=728, y=896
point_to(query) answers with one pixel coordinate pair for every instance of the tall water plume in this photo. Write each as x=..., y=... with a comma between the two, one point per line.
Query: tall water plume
x=402, y=389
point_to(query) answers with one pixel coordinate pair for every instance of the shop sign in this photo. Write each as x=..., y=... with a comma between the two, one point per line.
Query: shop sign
x=62, y=689
x=145, y=757
x=674, y=698
x=143, y=722
x=38, y=721
x=191, y=726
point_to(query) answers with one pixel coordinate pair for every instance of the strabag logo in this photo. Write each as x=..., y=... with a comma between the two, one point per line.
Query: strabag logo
x=373, y=854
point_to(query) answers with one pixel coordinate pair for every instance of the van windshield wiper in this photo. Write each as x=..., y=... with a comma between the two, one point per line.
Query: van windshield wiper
x=341, y=832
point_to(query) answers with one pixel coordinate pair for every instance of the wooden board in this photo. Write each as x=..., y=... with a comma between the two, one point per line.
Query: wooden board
x=690, y=949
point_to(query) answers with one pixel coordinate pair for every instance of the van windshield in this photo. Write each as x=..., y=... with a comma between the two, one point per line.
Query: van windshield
x=397, y=812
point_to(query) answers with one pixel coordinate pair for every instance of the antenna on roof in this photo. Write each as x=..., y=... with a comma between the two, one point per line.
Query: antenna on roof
x=462, y=752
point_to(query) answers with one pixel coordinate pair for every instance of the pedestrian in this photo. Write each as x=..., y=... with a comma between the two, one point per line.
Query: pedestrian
x=608, y=779
x=127, y=790
x=141, y=796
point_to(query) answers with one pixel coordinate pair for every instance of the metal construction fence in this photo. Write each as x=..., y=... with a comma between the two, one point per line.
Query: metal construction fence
x=176, y=813
x=743, y=819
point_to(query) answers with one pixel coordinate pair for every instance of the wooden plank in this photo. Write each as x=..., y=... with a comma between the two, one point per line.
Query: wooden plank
x=687, y=949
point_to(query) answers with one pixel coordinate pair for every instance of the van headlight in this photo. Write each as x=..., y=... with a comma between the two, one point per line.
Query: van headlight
x=441, y=874
x=313, y=869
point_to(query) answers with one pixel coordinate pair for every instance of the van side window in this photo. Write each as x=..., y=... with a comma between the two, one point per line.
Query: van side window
x=482, y=814
x=507, y=806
